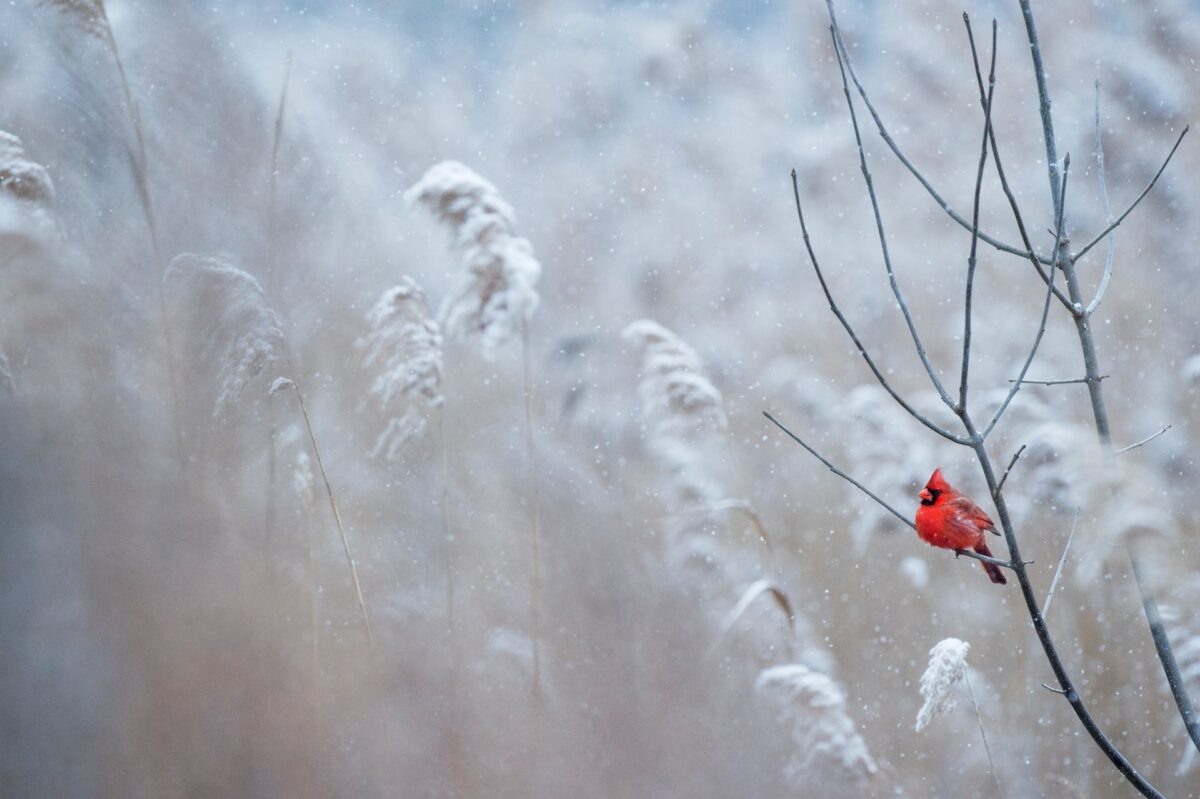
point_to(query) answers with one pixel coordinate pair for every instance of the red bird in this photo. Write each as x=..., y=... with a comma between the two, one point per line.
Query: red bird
x=949, y=520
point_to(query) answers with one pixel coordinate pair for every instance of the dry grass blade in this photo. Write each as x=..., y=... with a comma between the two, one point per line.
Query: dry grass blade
x=756, y=589
x=283, y=384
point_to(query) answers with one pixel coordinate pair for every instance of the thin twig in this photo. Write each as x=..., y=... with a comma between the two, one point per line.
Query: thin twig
x=1034, y=259
x=1029, y=382
x=1016, y=386
x=1061, y=561
x=883, y=246
x=833, y=306
x=1166, y=655
x=1145, y=440
x=1052, y=689
x=1083, y=251
x=965, y=553
x=895, y=148
x=971, y=259
x=840, y=473
x=1108, y=213
x=1095, y=392
x=1009, y=468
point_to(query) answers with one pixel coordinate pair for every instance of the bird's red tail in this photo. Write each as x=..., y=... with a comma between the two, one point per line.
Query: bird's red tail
x=993, y=571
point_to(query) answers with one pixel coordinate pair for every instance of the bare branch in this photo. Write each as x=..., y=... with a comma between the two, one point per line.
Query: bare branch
x=840, y=473
x=1058, y=572
x=1052, y=689
x=1057, y=382
x=983, y=151
x=1016, y=386
x=812, y=257
x=1145, y=440
x=887, y=259
x=1108, y=214
x=1036, y=260
x=1009, y=468
x=900, y=156
x=1166, y=655
x=1115, y=756
x=1135, y=203
x=966, y=553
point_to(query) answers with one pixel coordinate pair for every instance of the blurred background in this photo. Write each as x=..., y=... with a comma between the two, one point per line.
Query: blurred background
x=176, y=615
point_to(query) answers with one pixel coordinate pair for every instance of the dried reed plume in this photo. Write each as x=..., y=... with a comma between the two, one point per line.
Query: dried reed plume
x=239, y=334
x=404, y=349
x=822, y=732
x=92, y=18
x=496, y=298
x=680, y=407
x=947, y=668
x=22, y=178
x=26, y=193
x=493, y=302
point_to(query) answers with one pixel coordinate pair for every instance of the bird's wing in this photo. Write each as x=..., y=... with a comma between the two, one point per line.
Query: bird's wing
x=972, y=513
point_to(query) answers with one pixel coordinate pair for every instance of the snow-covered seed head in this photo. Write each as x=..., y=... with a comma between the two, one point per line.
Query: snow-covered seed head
x=26, y=194
x=822, y=731
x=88, y=14
x=21, y=178
x=403, y=347
x=674, y=389
x=680, y=407
x=237, y=334
x=947, y=668
x=499, y=292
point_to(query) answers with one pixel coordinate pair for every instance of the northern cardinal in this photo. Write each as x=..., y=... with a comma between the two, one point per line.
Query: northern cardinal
x=949, y=520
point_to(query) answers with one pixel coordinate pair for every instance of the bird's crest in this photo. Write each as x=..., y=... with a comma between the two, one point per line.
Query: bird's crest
x=937, y=482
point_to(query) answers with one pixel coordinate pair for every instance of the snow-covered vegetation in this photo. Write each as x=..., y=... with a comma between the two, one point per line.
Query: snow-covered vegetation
x=195, y=600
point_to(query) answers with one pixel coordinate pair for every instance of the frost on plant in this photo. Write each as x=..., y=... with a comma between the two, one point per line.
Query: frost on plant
x=233, y=331
x=498, y=295
x=947, y=668
x=680, y=408
x=26, y=192
x=823, y=734
x=403, y=349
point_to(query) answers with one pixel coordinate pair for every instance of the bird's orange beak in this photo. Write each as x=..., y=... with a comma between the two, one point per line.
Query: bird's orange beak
x=925, y=495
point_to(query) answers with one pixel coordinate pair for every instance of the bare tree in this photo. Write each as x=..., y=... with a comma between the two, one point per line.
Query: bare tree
x=974, y=435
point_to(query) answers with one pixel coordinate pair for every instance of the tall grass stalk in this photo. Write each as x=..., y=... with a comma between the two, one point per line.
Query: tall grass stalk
x=535, y=579
x=92, y=16
x=337, y=516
